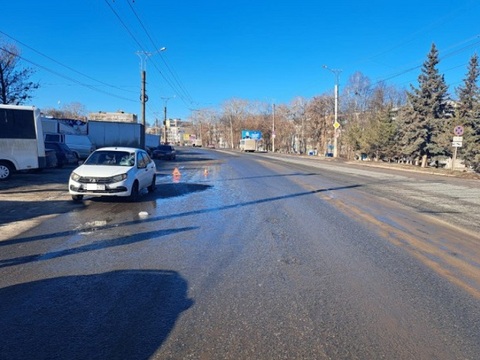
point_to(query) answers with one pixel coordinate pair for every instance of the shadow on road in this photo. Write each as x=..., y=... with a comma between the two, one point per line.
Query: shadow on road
x=98, y=245
x=16, y=210
x=115, y=315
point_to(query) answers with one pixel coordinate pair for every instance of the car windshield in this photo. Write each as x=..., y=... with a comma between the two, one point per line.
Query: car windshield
x=64, y=147
x=114, y=158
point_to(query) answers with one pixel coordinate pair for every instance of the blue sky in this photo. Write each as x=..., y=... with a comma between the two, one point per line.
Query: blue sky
x=88, y=51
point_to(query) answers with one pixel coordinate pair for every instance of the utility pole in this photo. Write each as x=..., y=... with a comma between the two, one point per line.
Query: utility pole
x=144, y=55
x=143, y=96
x=165, y=138
x=165, y=121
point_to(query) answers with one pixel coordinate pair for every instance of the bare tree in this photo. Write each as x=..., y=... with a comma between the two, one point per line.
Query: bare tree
x=74, y=110
x=15, y=88
x=298, y=110
x=234, y=112
x=357, y=93
x=320, y=121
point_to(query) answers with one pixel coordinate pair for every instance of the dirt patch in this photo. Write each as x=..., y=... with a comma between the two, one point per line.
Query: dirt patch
x=464, y=174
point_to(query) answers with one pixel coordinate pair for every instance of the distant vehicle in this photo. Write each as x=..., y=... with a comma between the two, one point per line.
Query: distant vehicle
x=152, y=140
x=79, y=144
x=197, y=143
x=166, y=152
x=248, y=145
x=119, y=133
x=21, y=143
x=113, y=171
x=65, y=156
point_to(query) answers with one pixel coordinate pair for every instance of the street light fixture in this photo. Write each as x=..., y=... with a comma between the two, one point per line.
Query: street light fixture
x=336, y=124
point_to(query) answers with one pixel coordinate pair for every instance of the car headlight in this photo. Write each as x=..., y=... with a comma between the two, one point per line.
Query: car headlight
x=118, y=178
x=75, y=177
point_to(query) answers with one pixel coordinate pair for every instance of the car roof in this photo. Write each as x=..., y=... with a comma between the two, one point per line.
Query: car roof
x=119, y=148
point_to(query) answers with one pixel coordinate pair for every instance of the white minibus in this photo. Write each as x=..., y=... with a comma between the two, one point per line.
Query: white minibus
x=21, y=140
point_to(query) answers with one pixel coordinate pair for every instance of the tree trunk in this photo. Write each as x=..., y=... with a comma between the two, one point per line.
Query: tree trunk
x=424, y=161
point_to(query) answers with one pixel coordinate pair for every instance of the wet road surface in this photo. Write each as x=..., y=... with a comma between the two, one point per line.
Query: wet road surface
x=244, y=257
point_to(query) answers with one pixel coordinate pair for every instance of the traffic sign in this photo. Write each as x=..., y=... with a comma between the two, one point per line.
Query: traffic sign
x=458, y=138
x=458, y=130
x=336, y=124
x=456, y=144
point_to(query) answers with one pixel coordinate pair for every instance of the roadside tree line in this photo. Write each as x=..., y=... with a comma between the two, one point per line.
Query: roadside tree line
x=378, y=121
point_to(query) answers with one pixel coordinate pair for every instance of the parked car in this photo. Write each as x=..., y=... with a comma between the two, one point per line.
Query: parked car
x=51, y=158
x=113, y=171
x=65, y=156
x=166, y=152
x=79, y=144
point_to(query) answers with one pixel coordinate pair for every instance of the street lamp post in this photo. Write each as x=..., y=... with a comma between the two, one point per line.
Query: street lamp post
x=336, y=124
x=273, y=128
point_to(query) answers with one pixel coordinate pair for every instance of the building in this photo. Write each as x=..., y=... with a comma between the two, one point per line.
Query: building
x=119, y=116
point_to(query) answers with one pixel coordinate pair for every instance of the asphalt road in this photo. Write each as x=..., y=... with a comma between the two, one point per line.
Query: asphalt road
x=243, y=256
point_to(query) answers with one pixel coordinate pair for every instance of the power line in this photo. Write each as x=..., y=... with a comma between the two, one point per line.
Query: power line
x=176, y=84
x=91, y=87
x=63, y=65
x=447, y=55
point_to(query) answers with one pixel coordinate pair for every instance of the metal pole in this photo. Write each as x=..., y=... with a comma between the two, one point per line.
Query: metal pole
x=304, y=148
x=165, y=140
x=454, y=158
x=273, y=130
x=144, y=77
x=231, y=132
x=165, y=134
x=335, y=135
x=336, y=125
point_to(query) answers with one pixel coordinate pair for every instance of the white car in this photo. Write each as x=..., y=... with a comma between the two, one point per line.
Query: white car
x=113, y=171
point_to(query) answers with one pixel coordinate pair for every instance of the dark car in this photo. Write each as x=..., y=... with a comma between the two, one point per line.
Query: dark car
x=65, y=156
x=166, y=152
x=51, y=158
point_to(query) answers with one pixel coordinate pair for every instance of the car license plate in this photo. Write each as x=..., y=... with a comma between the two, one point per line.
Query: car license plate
x=95, y=187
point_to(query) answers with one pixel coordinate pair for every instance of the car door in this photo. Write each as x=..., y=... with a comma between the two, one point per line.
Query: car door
x=145, y=170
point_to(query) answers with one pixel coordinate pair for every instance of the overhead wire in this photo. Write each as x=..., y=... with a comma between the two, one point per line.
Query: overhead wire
x=452, y=14
x=143, y=52
x=142, y=48
x=176, y=84
x=63, y=65
x=91, y=87
x=447, y=55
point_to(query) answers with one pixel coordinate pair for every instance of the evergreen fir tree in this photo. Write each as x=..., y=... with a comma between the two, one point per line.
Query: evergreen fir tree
x=468, y=114
x=428, y=111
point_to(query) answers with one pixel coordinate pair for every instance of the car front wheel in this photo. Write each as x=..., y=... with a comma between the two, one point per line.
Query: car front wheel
x=153, y=185
x=77, y=198
x=134, y=192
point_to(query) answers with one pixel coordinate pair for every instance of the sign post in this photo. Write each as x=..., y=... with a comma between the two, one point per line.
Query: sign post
x=456, y=143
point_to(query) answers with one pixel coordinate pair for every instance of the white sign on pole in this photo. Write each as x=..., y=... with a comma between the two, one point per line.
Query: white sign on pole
x=458, y=138
x=456, y=144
